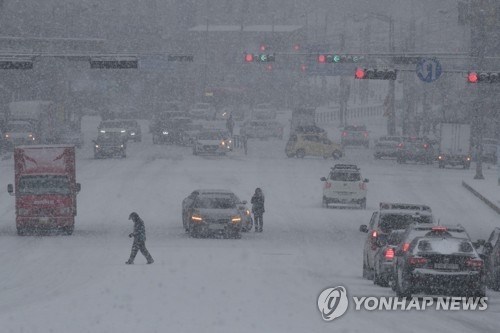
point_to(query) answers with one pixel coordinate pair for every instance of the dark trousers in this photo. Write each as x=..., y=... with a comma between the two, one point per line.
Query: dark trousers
x=259, y=221
x=136, y=246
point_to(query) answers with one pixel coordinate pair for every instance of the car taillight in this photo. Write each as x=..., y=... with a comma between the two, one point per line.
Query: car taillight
x=440, y=157
x=389, y=253
x=439, y=229
x=328, y=185
x=426, y=146
x=406, y=246
x=362, y=186
x=401, y=145
x=365, y=134
x=374, y=234
x=416, y=261
x=344, y=133
x=475, y=264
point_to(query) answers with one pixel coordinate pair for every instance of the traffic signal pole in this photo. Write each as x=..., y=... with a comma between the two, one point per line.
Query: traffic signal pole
x=391, y=118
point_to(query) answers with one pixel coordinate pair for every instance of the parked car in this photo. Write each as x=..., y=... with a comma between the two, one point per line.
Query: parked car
x=416, y=149
x=209, y=211
x=110, y=144
x=264, y=111
x=210, y=142
x=355, y=135
x=305, y=144
x=202, y=111
x=18, y=132
x=440, y=265
x=344, y=185
x=262, y=129
x=383, y=267
x=390, y=216
x=387, y=146
x=490, y=253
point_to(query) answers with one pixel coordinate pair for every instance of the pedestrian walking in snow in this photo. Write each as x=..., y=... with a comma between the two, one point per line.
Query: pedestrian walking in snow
x=230, y=124
x=139, y=236
x=258, y=210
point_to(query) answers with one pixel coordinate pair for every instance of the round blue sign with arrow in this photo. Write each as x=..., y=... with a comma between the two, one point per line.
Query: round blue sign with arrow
x=428, y=69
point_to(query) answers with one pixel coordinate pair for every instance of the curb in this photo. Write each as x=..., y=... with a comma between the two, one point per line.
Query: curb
x=481, y=197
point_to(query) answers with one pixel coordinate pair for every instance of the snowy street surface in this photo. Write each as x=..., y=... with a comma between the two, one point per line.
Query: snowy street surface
x=264, y=282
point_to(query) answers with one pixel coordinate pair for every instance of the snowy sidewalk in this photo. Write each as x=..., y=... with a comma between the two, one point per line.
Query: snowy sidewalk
x=486, y=190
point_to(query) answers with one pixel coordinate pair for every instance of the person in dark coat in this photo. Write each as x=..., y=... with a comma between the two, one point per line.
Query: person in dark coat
x=230, y=124
x=258, y=210
x=139, y=235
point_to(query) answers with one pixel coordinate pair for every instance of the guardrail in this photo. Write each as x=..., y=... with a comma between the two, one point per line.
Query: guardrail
x=332, y=114
x=480, y=196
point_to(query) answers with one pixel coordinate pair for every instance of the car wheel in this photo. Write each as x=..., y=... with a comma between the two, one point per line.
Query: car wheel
x=324, y=202
x=193, y=232
x=300, y=153
x=336, y=155
x=441, y=165
x=69, y=230
x=366, y=271
x=402, y=289
x=21, y=231
x=494, y=281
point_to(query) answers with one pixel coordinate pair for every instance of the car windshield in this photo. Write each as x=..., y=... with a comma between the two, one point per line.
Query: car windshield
x=444, y=246
x=18, y=127
x=112, y=124
x=215, y=203
x=201, y=106
x=345, y=176
x=210, y=136
x=389, y=222
x=39, y=185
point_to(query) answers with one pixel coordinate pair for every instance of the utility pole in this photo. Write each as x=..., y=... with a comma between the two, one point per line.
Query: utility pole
x=391, y=120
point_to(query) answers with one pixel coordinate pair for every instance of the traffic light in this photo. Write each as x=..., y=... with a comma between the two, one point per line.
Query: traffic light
x=250, y=57
x=16, y=63
x=263, y=47
x=113, y=62
x=375, y=74
x=483, y=77
x=296, y=47
x=339, y=58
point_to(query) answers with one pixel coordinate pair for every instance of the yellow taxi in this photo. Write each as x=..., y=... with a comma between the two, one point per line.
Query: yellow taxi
x=312, y=144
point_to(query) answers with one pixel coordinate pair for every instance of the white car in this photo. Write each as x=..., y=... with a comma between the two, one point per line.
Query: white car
x=19, y=132
x=344, y=185
x=210, y=142
x=112, y=126
x=202, y=111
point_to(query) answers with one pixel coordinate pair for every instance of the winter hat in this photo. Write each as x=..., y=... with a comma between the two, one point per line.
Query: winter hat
x=133, y=216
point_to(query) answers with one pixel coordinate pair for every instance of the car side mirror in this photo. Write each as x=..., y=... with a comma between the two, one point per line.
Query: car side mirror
x=323, y=179
x=363, y=228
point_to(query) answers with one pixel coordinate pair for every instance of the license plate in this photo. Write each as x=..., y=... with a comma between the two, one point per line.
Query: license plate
x=445, y=266
x=216, y=227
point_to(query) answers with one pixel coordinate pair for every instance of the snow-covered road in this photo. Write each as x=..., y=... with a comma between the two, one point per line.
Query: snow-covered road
x=266, y=282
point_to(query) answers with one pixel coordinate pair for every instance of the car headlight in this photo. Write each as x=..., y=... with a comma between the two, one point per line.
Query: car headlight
x=97, y=146
x=122, y=131
x=223, y=143
x=236, y=219
x=121, y=146
x=132, y=133
x=165, y=132
x=23, y=211
x=247, y=212
x=7, y=135
x=102, y=131
x=196, y=218
x=65, y=210
x=30, y=135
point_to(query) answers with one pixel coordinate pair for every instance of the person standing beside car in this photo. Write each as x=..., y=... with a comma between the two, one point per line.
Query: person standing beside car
x=258, y=210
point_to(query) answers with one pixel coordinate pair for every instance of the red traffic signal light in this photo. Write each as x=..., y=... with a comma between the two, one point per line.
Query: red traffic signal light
x=248, y=57
x=263, y=47
x=296, y=47
x=360, y=73
x=472, y=77
x=322, y=58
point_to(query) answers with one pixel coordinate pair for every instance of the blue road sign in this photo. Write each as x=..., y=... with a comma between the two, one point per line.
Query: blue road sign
x=428, y=69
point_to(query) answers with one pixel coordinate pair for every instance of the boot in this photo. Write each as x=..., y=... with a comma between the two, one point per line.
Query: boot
x=129, y=262
x=150, y=261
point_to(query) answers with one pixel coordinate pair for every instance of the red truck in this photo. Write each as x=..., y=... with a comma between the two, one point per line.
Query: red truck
x=45, y=188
